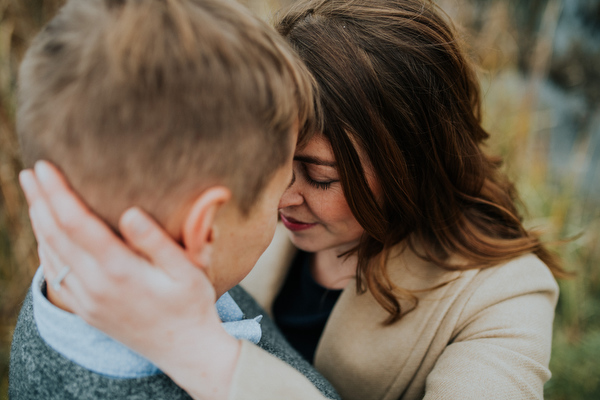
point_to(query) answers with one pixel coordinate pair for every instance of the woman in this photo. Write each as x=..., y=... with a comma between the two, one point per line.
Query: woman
x=442, y=292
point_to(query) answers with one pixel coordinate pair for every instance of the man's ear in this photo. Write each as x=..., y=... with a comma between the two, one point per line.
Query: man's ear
x=198, y=228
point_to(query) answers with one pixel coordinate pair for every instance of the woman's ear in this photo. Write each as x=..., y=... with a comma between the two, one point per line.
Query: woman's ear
x=198, y=228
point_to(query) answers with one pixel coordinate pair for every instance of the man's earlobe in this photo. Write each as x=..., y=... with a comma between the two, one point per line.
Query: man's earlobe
x=198, y=228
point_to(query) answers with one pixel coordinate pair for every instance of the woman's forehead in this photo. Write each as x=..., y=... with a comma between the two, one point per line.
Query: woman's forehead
x=318, y=147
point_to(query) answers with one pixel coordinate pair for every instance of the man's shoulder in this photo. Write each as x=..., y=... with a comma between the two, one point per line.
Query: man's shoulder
x=39, y=372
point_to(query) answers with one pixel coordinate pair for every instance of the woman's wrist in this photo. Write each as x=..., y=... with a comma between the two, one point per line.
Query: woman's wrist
x=202, y=363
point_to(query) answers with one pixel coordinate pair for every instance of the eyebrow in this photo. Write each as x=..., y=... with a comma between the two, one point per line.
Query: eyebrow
x=315, y=160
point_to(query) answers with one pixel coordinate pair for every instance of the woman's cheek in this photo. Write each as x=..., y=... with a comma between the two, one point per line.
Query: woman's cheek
x=333, y=210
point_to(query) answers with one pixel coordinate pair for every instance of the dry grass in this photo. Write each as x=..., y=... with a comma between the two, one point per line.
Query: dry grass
x=19, y=20
x=521, y=127
x=559, y=204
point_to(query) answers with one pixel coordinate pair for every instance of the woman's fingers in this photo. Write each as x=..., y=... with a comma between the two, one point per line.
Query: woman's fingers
x=31, y=189
x=71, y=214
x=46, y=228
x=87, y=253
x=62, y=215
x=40, y=217
x=50, y=268
x=79, y=237
x=145, y=236
x=107, y=278
x=32, y=193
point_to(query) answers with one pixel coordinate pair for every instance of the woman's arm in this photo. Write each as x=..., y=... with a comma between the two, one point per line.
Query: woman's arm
x=146, y=294
x=502, y=341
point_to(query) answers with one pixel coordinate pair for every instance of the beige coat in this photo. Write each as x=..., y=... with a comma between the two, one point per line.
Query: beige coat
x=485, y=335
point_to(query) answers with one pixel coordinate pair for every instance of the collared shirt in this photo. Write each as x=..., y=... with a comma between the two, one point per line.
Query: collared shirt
x=85, y=345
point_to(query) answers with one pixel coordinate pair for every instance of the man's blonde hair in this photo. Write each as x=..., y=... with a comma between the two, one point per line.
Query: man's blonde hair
x=147, y=102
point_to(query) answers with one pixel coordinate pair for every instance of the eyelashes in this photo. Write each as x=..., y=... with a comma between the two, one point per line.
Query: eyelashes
x=303, y=172
x=322, y=185
x=318, y=184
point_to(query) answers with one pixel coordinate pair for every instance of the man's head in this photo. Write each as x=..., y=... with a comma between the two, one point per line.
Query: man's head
x=155, y=102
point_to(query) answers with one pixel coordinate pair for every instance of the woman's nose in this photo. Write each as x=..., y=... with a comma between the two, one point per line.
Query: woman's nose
x=291, y=197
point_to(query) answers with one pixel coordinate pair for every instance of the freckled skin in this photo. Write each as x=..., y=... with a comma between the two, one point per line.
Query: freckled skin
x=316, y=197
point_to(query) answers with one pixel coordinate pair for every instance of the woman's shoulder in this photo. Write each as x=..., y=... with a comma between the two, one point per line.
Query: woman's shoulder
x=524, y=274
x=498, y=331
x=523, y=285
x=521, y=282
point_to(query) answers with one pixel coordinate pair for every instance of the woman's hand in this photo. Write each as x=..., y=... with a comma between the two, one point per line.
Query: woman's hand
x=146, y=293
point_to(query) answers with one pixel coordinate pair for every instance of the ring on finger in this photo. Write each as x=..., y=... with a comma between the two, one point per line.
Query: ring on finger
x=60, y=277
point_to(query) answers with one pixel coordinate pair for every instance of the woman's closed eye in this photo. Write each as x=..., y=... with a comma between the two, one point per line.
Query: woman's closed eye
x=319, y=177
x=319, y=184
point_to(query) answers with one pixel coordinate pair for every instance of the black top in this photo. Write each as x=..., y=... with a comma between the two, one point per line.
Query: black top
x=302, y=307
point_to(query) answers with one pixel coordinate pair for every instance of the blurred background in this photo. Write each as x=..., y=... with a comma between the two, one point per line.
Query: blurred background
x=540, y=72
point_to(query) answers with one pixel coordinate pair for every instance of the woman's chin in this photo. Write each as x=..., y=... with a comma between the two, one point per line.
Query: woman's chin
x=314, y=241
x=304, y=241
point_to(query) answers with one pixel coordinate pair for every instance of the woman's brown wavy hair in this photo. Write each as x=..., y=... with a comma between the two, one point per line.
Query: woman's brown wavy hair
x=395, y=80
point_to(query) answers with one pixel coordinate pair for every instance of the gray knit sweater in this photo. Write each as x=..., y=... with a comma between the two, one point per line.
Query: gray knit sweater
x=39, y=372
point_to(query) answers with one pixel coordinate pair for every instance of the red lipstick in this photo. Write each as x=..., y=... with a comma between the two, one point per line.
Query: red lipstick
x=294, y=225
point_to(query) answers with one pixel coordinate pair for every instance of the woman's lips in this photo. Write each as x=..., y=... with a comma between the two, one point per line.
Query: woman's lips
x=294, y=225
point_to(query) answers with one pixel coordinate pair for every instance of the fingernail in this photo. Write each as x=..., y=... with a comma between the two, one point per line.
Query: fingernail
x=26, y=179
x=42, y=171
x=135, y=221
